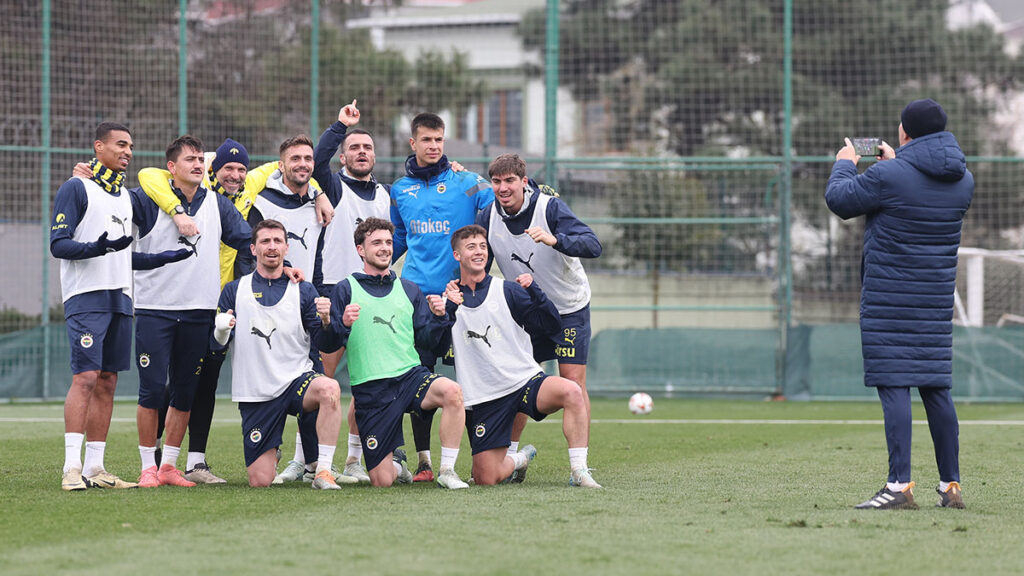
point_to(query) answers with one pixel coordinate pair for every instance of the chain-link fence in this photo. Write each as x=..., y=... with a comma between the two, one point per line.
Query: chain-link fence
x=695, y=137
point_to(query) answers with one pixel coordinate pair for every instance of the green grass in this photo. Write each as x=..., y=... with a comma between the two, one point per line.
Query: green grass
x=679, y=498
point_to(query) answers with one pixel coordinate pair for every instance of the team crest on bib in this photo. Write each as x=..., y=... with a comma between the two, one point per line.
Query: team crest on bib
x=255, y=435
x=143, y=360
x=371, y=442
x=480, y=431
x=86, y=340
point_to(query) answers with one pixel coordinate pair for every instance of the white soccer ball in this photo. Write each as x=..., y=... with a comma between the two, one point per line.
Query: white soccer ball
x=641, y=403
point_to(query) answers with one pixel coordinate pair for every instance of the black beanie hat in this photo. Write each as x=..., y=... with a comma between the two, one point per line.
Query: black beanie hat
x=229, y=151
x=923, y=117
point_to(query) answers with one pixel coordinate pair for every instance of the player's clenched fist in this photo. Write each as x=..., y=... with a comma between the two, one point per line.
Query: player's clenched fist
x=524, y=280
x=540, y=236
x=452, y=292
x=351, y=314
x=436, y=304
x=222, y=325
x=323, y=310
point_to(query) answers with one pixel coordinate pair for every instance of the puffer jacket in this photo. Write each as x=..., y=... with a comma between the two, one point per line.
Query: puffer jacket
x=915, y=205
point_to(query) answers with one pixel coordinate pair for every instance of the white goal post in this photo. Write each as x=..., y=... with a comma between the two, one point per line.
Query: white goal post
x=989, y=281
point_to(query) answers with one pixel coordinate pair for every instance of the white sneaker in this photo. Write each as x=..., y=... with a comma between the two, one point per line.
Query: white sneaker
x=581, y=477
x=201, y=474
x=447, y=478
x=292, y=473
x=357, y=471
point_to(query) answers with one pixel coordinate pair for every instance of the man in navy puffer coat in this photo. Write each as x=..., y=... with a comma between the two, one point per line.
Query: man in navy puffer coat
x=914, y=200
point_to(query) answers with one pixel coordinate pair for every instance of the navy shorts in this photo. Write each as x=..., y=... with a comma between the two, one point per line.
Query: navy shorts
x=169, y=353
x=571, y=345
x=380, y=405
x=490, y=424
x=263, y=422
x=100, y=341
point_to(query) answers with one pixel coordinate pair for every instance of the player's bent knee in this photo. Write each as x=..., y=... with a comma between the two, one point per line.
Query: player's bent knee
x=453, y=396
x=328, y=392
x=572, y=395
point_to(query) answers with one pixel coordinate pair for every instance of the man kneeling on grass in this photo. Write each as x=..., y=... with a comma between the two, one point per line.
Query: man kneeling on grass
x=271, y=372
x=492, y=322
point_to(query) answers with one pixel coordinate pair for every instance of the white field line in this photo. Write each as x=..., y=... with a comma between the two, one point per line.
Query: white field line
x=699, y=421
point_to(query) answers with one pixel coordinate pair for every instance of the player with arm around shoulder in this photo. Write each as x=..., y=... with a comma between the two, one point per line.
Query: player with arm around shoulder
x=272, y=321
x=492, y=322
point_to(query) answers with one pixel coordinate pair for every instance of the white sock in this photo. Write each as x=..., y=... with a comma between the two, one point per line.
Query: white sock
x=513, y=448
x=448, y=456
x=424, y=456
x=519, y=459
x=170, y=455
x=355, y=448
x=943, y=486
x=398, y=467
x=148, y=455
x=195, y=458
x=93, y=458
x=73, y=450
x=300, y=456
x=325, y=457
x=897, y=486
x=578, y=458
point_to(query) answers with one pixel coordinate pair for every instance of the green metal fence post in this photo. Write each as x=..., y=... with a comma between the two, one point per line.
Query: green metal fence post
x=551, y=93
x=785, y=198
x=314, y=68
x=44, y=211
x=182, y=69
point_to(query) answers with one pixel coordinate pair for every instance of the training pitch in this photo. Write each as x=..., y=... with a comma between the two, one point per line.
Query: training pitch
x=696, y=487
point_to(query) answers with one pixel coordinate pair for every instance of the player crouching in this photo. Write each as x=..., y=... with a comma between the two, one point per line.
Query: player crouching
x=491, y=326
x=271, y=372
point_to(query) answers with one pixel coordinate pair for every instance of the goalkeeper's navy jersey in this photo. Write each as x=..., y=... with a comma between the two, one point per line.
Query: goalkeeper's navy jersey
x=427, y=205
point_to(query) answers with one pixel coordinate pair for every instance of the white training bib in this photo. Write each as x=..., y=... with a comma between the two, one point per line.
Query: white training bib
x=271, y=345
x=189, y=284
x=561, y=277
x=493, y=354
x=339, y=256
x=113, y=270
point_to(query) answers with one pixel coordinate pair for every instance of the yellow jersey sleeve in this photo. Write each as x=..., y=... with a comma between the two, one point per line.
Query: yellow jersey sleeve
x=156, y=184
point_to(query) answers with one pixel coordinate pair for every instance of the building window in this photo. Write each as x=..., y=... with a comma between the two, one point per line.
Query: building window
x=500, y=119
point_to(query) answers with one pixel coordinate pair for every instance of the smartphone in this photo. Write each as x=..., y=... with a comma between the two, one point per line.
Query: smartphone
x=867, y=146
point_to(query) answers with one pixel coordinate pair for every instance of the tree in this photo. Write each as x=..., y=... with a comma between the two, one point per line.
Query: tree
x=705, y=78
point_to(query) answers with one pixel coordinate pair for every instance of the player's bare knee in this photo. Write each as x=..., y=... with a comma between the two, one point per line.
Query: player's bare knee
x=572, y=396
x=331, y=394
x=260, y=479
x=453, y=397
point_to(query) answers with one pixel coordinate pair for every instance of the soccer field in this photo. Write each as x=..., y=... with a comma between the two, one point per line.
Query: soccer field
x=697, y=487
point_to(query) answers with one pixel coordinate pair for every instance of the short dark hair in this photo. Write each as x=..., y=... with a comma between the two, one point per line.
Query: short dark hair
x=369, y=226
x=268, y=224
x=426, y=120
x=467, y=232
x=105, y=128
x=300, y=140
x=507, y=164
x=353, y=132
x=180, y=143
